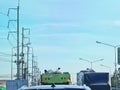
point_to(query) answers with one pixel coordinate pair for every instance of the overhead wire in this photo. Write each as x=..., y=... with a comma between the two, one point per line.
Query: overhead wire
x=3, y=13
x=9, y=29
x=5, y=54
x=5, y=60
x=12, y=34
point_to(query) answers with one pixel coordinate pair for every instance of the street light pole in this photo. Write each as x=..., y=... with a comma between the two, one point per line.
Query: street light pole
x=109, y=72
x=115, y=47
x=91, y=62
x=106, y=67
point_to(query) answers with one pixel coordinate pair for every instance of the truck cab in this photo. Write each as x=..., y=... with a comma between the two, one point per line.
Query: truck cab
x=94, y=80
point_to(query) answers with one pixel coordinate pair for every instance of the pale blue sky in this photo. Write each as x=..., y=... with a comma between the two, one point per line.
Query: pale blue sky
x=62, y=31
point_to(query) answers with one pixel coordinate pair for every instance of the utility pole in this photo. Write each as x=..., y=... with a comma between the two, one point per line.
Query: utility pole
x=32, y=66
x=27, y=62
x=18, y=61
x=22, y=56
x=24, y=44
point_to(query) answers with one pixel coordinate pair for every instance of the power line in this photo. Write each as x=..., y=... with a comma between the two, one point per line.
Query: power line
x=3, y=13
x=8, y=18
x=5, y=60
x=12, y=33
x=4, y=76
x=5, y=54
x=9, y=29
x=2, y=26
x=10, y=43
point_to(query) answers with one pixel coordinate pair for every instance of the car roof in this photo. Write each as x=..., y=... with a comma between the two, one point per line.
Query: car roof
x=55, y=87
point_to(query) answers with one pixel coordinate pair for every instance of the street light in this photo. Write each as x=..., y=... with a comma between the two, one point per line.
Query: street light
x=114, y=51
x=91, y=62
x=115, y=47
x=106, y=67
x=109, y=72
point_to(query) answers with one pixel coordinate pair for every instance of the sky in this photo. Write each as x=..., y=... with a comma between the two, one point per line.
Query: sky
x=62, y=31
